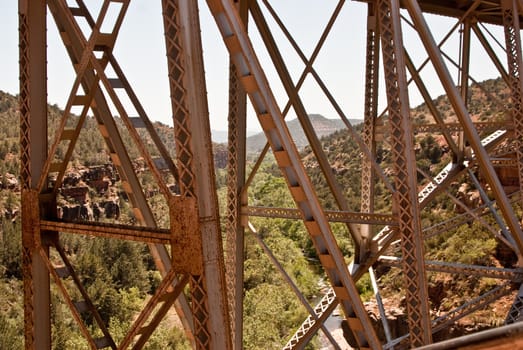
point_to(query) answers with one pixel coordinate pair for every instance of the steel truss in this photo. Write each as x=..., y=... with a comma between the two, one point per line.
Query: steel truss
x=190, y=251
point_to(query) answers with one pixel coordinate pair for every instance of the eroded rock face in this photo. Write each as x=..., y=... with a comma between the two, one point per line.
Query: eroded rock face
x=9, y=182
x=111, y=209
x=471, y=198
x=100, y=178
x=101, y=186
x=220, y=156
x=100, y=172
x=79, y=194
x=75, y=213
x=77, y=186
x=72, y=179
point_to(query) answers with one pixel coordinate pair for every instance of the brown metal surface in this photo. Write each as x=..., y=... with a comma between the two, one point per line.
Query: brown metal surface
x=130, y=233
x=236, y=175
x=368, y=176
x=406, y=198
x=332, y=215
x=514, y=275
x=33, y=145
x=235, y=181
x=485, y=10
x=515, y=76
x=192, y=136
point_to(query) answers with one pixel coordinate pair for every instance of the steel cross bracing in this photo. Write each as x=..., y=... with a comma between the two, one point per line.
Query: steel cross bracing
x=423, y=198
x=91, y=91
x=386, y=235
x=72, y=36
x=214, y=316
x=442, y=176
x=271, y=120
x=428, y=192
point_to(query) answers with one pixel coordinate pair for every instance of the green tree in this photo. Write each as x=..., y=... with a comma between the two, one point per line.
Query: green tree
x=10, y=249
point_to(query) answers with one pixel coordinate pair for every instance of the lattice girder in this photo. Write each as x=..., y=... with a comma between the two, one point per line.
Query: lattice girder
x=405, y=200
x=236, y=161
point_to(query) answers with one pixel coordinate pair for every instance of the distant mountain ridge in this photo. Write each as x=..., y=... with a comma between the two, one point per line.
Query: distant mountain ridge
x=323, y=127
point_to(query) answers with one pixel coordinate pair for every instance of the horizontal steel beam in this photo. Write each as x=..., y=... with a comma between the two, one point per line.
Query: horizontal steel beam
x=502, y=338
x=456, y=127
x=332, y=215
x=125, y=232
x=487, y=11
x=514, y=275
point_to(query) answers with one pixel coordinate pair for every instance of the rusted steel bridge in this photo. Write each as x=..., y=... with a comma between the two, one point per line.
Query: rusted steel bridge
x=190, y=251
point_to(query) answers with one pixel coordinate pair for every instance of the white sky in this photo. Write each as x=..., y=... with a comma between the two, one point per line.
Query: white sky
x=141, y=53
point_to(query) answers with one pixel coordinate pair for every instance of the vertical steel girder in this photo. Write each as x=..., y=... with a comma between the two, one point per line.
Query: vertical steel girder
x=235, y=180
x=515, y=82
x=465, y=60
x=370, y=118
x=194, y=154
x=33, y=145
x=515, y=76
x=405, y=199
x=176, y=72
x=464, y=79
x=236, y=161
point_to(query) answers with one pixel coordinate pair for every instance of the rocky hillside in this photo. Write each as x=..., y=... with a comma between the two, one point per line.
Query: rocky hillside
x=9, y=164
x=91, y=188
x=484, y=105
x=483, y=102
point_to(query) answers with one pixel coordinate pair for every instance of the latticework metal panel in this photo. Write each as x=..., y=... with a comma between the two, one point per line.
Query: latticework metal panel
x=405, y=197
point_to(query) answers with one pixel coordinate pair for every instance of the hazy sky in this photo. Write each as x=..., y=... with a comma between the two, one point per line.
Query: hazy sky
x=141, y=53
